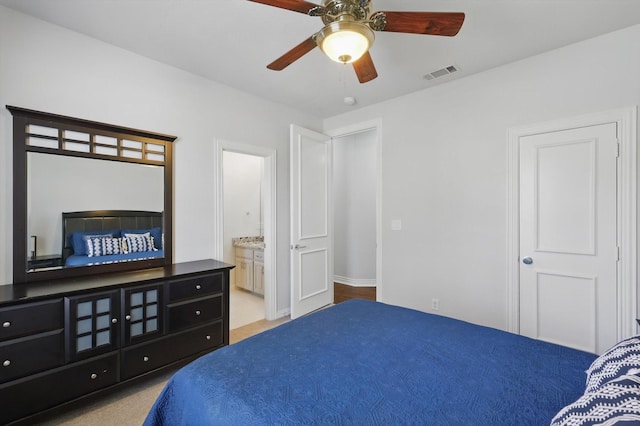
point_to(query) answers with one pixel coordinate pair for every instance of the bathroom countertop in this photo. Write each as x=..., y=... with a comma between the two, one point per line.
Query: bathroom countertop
x=249, y=242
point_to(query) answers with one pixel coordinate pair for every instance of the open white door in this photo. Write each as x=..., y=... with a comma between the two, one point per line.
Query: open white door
x=311, y=221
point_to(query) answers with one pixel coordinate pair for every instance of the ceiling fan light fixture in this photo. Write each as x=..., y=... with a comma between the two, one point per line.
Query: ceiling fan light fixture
x=345, y=41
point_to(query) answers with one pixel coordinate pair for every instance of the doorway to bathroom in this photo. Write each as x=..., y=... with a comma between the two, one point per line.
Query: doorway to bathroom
x=244, y=235
x=245, y=228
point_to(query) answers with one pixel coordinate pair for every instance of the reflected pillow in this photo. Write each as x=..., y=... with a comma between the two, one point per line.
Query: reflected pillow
x=138, y=243
x=78, y=240
x=156, y=234
x=103, y=246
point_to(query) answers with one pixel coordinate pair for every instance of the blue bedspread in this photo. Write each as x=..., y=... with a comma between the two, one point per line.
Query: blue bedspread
x=364, y=362
x=75, y=260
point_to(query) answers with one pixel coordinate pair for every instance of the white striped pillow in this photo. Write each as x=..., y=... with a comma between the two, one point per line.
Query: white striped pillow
x=103, y=246
x=137, y=243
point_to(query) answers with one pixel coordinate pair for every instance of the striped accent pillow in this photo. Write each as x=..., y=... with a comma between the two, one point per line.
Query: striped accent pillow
x=137, y=243
x=617, y=361
x=617, y=401
x=103, y=246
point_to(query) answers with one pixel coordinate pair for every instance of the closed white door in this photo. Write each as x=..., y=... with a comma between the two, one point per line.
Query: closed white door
x=311, y=224
x=568, y=237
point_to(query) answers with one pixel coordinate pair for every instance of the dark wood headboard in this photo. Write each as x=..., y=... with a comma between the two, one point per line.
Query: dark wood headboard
x=104, y=220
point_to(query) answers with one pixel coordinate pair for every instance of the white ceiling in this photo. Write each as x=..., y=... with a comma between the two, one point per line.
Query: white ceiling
x=232, y=41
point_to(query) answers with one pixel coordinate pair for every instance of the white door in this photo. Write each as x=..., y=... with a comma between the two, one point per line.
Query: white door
x=311, y=224
x=568, y=237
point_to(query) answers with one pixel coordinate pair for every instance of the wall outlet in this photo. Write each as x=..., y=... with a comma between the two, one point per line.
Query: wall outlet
x=435, y=304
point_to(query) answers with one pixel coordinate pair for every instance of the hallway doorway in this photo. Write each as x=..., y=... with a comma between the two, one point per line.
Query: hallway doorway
x=356, y=208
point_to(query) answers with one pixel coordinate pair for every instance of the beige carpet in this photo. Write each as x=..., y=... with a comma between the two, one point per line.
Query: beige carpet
x=127, y=407
x=131, y=405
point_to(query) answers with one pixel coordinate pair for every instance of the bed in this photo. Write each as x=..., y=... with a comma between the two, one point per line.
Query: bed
x=363, y=362
x=98, y=237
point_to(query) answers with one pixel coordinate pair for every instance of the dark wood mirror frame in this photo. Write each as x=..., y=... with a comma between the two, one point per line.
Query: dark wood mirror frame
x=132, y=146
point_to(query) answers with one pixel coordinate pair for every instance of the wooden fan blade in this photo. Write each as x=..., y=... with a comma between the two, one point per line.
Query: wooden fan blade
x=293, y=55
x=364, y=68
x=432, y=23
x=294, y=5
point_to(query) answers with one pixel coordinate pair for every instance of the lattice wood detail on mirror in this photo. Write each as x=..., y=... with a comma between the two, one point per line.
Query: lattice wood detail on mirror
x=51, y=133
x=94, y=143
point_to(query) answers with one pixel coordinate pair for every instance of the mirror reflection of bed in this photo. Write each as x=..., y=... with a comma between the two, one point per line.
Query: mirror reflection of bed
x=110, y=236
x=57, y=184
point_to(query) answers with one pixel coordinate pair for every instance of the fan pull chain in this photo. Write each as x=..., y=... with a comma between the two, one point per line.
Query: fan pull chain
x=346, y=98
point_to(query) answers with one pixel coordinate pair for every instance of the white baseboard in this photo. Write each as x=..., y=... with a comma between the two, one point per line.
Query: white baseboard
x=355, y=282
x=283, y=313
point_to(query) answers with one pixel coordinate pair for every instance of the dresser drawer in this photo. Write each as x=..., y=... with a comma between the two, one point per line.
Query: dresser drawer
x=27, y=396
x=150, y=356
x=31, y=318
x=195, y=287
x=194, y=312
x=32, y=354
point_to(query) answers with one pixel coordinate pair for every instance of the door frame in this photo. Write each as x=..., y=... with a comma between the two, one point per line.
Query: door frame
x=626, y=120
x=269, y=208
x=375, y=125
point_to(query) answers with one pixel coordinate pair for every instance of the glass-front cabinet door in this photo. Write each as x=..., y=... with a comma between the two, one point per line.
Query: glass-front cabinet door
x=142, y=313
x=92, y=324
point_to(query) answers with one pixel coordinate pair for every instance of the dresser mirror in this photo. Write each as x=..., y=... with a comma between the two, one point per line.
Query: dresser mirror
x=88, y=197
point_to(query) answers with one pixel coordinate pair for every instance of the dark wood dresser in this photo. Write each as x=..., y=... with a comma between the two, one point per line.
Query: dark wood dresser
x=67, y=339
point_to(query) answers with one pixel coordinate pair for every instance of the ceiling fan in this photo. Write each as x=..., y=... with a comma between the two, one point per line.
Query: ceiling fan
x=349, y=27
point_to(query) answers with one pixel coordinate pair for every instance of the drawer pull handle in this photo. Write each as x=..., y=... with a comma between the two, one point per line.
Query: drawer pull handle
x=198, y=287
x=128, y=317
x=198, y=313
x=208, y=337
x=6, y=363
x=145, y=358
x=6, y=324
x=94, y=376
x=114, y=320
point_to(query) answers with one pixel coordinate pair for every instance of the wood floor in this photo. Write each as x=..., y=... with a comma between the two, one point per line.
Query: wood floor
x=342, y=292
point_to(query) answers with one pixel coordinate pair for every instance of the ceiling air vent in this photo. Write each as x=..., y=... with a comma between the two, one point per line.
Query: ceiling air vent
x=441, y=72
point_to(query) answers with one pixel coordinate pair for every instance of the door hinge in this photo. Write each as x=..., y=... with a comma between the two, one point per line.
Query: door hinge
x=618, y=150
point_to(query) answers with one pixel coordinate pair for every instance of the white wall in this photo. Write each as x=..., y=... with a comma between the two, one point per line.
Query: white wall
x=354, y=206
x=48, y=68
x=444, y=168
